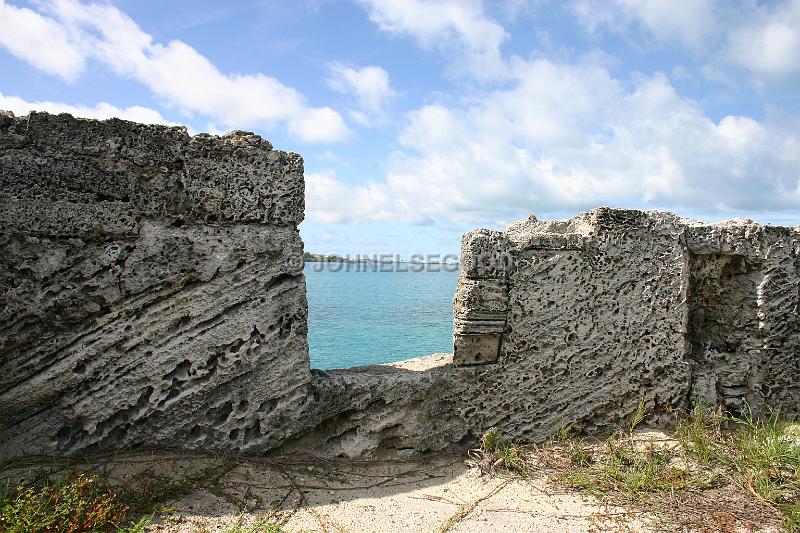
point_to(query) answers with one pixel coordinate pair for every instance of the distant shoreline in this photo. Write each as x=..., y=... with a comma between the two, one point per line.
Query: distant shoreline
x=309, y=257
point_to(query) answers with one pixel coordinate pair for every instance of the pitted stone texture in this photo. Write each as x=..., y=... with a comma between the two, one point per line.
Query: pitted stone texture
x=361, y=411
x=152, y=295
x=476, y=348
x=605, y=309
x=484, y=254
x=744, y=325
x=482, y=299
x=151, y=285
x=480, y=307
x=617, y=305
x=480, y=304
x=71, y=177
x=596, y=321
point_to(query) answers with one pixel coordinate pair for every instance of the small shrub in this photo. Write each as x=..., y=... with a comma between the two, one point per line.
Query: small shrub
x=76, y=506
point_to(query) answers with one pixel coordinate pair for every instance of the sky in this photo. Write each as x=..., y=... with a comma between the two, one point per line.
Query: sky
x=419, y=120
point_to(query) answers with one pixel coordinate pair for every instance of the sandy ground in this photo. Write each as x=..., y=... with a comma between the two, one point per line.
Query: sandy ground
x=429, y=493
x=398, y=494
x=390, y=496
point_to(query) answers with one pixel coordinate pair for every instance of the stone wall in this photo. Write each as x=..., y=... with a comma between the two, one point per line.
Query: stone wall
x=152, y=294
x=589, y=315
x=572, y=323
x=151, y=287
x=744, y=324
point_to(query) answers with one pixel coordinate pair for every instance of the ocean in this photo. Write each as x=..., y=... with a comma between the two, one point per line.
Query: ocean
x=372, y=317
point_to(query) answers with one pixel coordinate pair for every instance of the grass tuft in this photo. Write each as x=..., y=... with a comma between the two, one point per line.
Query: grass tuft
x=496, y=453
x=638, y=416
x=260, y=526
x=714, y=450
x=762, y=454
x=627, y=469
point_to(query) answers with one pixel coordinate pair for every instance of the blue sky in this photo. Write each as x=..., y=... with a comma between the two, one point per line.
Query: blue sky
x=419, y=120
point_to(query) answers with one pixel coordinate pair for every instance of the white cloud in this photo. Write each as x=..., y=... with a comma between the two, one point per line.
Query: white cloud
x=331, y=201
x=687, y=22
x=594, y=17
x=317, y=125
x=370, y=85
x=768, y=40
x=458, y=27
x=565, y=137
x=187, y=80
x=557, y=137
x=761, y=38
x=101, y=111
x=40, y=41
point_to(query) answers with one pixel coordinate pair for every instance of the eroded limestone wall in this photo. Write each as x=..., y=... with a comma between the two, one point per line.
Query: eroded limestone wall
x=151, y=294
x=744, y=326
x=616, y=305
x=151, y=290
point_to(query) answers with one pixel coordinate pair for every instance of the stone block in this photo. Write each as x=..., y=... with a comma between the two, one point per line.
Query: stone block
x=476, y=349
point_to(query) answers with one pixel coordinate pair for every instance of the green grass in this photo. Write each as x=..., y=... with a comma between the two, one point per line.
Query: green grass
x=628, y=471
x=638, y=416
x=502, y=454
x=580, y=455
x=260, y=526
x=624, y=467
x=761, y=454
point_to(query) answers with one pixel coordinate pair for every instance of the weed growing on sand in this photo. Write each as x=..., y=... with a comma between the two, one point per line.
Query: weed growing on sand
x=624, y=467
x=627, y=467
x=260, y=526
x=496, y=453
x=712, y=453
x=718, y=472
x=638, y=416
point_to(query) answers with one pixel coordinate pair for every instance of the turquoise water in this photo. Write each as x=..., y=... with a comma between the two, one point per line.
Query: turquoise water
x=364, y=318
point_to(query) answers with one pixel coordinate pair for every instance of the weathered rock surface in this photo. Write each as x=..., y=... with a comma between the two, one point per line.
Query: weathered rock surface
x=744, y=322
x=571, y=323
x=151, y=294
x=151, y=287
x=616, y=305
